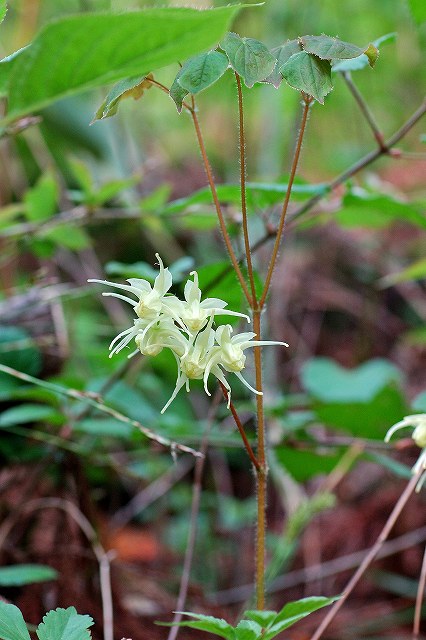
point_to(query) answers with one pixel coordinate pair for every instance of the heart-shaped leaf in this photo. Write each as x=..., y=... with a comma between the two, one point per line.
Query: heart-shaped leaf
x=250, y=58
x=282, y=54
x=329, y=382
x=202, y=71
x=309, y=74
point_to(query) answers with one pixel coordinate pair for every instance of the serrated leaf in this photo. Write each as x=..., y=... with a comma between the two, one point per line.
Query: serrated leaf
x=217, y=626
x=263, y=618
x=26, y=413
x=41, y=201
x=282, y=54
x=12, y=624
x=328, y=48
x=22, y=574
x=362, y=61
x=3, y=10
x=64, y=624
x=248, y=630
x=418, y=10
x=90, y=50
x=250, y=58
x=201, y=71
x=292, y=612
x=309, y=74
x=127, y=88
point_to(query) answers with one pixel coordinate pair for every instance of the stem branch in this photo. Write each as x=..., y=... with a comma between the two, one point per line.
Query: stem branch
x=365, y=110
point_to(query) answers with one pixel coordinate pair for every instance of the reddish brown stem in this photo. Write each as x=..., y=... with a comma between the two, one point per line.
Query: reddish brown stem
x=240, y=427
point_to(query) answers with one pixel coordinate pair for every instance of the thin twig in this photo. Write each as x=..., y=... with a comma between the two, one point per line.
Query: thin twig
x=359, y=165
x=192, y=533
x=95, y=401
x=307, y=103
x=243, y=171
x=403, y=499
x=365, y=110
x=240, y=427
x=219, y=211
x=419, y=599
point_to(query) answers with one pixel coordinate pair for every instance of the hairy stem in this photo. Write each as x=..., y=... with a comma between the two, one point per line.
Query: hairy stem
x=242, y=145
x=402, y=501
x=219, y=211
x=307, y=102
x=261, y=471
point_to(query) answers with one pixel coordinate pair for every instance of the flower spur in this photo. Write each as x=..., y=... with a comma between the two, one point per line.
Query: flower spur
x=418, y=422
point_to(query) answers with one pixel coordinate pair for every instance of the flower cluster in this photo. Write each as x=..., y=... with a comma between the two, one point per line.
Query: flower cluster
x=186, y=327
x=418, y=421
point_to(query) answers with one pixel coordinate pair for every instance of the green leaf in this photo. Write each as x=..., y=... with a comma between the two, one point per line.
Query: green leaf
x=217, y=626
x=292, y=612
x=397, y=468
x=327, y=381
x=364, y=419
x=127, y=88
x=89, y=50
x=308, y=73
x=105, y=427
x=304, y=464
x=111, y=189
x=22, y=574
x=418, y=10
x=363, y=61
x=73, y=238
x=177, y=92
x=26, y=413
x=263, y=618
x=259, y=195
x=12, y=624
x=17, y=350
x=3, y=10
x=248, y=630
x=42, y=200
x=363, y=209
x=282, y=54
x=201, y=71
x=328, y=48
x=250, y=58
x=64, y=624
